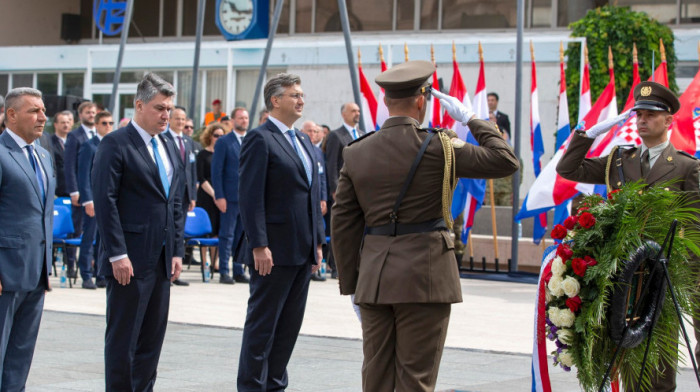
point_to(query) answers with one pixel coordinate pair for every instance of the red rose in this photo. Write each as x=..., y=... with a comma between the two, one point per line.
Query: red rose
x=564, y=252
x=579, y=266
x=586, y=220
x=590, y=261
x=570, y=222
x=559, y=232
x=612, y=193
x=574, y=304
x=547, y=273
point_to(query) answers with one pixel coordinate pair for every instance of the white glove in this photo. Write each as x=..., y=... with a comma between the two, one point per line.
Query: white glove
x=605, y=125
x=457, y=110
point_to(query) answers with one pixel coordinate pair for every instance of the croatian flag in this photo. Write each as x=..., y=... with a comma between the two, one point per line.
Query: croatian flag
x=584, y=100
x=561, y=212
x=382, y=110
x=685, y=130
x=369, y=103
x=435, y=119
x=537, y=148
x=469, y=193
x=550, y=189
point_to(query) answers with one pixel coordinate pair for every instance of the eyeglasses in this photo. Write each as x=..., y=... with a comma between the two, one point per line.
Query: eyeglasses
x=295, y=96
x=217, y=135
x=107, y=122
x=189, y=127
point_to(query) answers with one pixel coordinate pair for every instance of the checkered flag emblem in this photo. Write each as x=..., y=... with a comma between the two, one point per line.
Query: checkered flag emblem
x=629, y=134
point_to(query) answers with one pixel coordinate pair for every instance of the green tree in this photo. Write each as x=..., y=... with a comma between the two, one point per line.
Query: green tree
x=619, y=28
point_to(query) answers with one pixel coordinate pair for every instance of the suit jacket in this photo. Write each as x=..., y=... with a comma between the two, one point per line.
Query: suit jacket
x=336, y=142
x=45, y=140
x=411, y=268
x=134, y=216
x=503, y=122
x=74, y=139
x=86, y=156
x=27, y=230
x=321, y=162
x=278, y=207
x=56, y=151
x=224, y=168
x=189, y=166
x=671, y=164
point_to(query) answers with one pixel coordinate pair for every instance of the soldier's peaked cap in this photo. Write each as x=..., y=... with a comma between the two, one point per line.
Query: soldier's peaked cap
x=406, y=79
x=654, y=96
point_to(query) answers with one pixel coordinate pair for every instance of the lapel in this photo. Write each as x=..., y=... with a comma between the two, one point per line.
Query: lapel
x=284, y=142
x=664, y=164
x=83, y=135
x=18, y=155
x=57, y=143
x=306, y=145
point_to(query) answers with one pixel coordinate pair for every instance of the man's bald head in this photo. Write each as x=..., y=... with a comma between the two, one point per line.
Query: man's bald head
x=311, y=129
x=351, y=113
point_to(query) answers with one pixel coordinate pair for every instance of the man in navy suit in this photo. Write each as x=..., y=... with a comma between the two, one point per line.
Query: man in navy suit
x=62, y=124
x=224, y=180
x=78, y=136
x=104, y=125
x=314, y=133
x=27, y=187
x=137, y=191
x=281, y=215
x=187, y=164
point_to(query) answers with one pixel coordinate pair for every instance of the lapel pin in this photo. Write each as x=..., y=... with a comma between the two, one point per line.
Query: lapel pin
x=633, y=155
x=669, y=159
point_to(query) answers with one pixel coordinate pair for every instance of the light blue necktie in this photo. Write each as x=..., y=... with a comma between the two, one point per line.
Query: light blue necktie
x=161, y=168
x=37, y=172
x=307, y=168
x=354, y=134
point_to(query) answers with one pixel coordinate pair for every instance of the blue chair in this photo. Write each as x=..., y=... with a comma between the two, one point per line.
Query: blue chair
x=197, y=228
x=62, y=229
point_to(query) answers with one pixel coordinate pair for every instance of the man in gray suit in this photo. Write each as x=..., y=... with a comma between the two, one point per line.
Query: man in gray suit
x=27, y=187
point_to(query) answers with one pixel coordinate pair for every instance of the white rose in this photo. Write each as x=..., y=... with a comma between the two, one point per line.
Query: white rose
x=566, y=318
x=555, y=286
x=558, y=266
x=565, y=358
x=565, y=336
x=571, y=286
x=553, y=314
x=548, y=297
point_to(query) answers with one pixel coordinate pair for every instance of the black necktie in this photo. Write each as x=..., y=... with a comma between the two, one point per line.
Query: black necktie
x=645, y=163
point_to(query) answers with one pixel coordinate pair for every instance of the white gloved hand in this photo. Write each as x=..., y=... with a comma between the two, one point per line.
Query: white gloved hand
x=605, y=125
x=456, y=109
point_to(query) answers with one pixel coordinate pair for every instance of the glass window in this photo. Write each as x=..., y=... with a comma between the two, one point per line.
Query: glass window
x=404, y=14
x=189, y=18
x=184, y=93
x=47, y=83
x=144, y=22
x=371, y=15
x=245, y=88
x=476, y=14
x=303, y=16
x=283, y=26
x=541, y=13
x=210, y=19
x=169, y=18
x=4, y=84
x=428, y=14
x=690, y=11
x=73, y=84
x=22, y=80
x=665, y=11
x=327, y=17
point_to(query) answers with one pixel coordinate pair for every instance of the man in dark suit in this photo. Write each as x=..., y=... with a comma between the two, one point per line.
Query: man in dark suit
x=314, y=133
x=502, y=119
x=27, y=187
x=188, y=131
x=224, y=180
x=281, y=215
x=104, y=125
x=138, y=205
x=185, y=150
x=78, y=136
x=62, y=124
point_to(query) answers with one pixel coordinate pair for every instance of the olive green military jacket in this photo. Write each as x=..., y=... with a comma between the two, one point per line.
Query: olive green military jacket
x=670, y=165
x=411, y=268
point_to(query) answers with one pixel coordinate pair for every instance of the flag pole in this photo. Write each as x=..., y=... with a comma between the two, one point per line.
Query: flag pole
x=405, y=51
x=354, y=82
x=515, y=235
x=491, y=196
x=381, y=53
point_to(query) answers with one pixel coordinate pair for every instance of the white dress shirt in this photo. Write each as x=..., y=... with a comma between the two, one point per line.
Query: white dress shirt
x=283, y=128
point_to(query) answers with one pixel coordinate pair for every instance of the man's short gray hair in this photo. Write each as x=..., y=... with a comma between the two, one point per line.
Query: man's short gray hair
x=2, y=102
x=66, y=113
x=12, y=98
x=152, y=85
x=275, y=86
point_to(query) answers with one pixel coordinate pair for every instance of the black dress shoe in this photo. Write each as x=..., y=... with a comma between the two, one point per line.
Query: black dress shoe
x=178, y=282
x=89, y=284
x=241, y=279
x=225, y=279
x=317, y=277
x=101, y=283
x=334, y=274
x=72, y=273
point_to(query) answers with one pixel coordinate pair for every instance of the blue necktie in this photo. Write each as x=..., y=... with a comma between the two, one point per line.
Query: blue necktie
x=307, y=168
x=161, y=168
x=37, y=172
x=354, y=134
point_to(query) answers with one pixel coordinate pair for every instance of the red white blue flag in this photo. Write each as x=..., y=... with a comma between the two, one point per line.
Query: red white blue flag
x=369, y=103
x=537, y=148
x=382, y=110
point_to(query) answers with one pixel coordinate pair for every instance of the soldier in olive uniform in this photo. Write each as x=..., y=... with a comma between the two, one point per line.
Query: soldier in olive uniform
x=655, y=161
x=390, y=225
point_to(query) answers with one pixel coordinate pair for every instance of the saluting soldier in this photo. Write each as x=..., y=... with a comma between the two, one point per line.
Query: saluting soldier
x=654, y=161
x=390, y=227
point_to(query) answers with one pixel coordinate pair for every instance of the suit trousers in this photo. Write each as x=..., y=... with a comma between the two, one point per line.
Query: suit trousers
x=230, y=229
x=20, y=316
x=137, y=316
x=76, y=214
x=87, y=249
x=402, y=346
x=275, y=312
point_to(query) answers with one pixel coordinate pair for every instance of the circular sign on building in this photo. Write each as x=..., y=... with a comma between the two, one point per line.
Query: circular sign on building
x=242, y=19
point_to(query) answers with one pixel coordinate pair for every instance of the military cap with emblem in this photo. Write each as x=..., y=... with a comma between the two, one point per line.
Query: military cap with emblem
x=406, y=79
x=654, y=96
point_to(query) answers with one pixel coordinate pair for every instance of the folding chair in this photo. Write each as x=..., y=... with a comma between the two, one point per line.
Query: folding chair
x=197, y=227
x=62, y=228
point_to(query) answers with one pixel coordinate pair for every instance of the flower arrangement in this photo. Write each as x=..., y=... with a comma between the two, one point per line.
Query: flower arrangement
x=581, y=275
